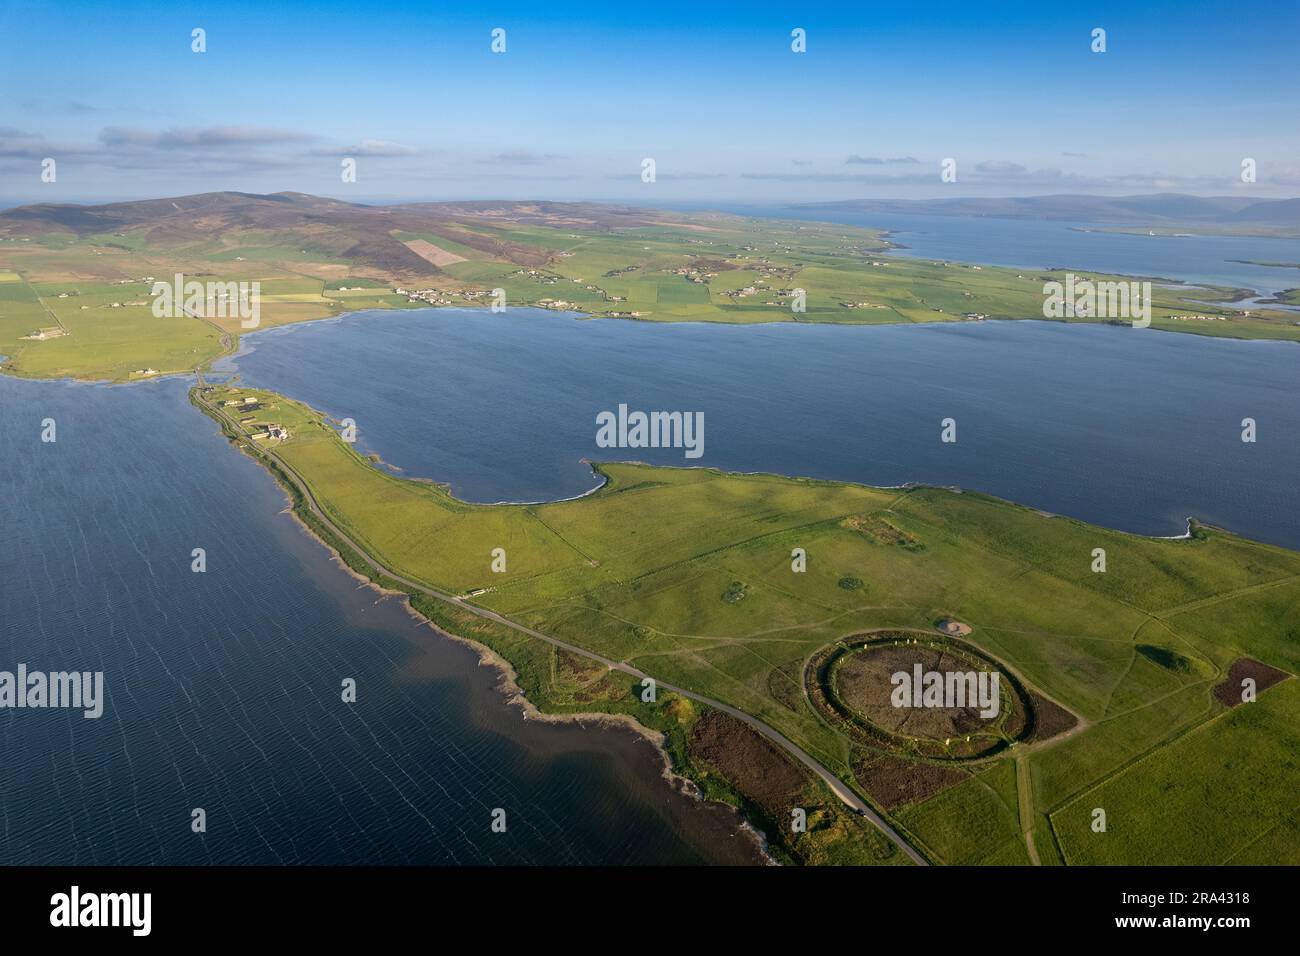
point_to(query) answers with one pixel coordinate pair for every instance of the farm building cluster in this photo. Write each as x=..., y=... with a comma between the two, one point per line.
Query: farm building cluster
x=257, y=429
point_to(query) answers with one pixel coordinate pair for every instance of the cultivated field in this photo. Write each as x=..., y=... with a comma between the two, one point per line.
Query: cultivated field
x=64, y=267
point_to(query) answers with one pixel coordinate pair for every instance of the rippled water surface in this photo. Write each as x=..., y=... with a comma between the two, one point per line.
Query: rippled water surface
x=223, y=688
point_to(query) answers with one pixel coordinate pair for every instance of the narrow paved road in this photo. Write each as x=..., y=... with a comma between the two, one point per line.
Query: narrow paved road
x=227, y=342
x=838, y=787
x=48, y=310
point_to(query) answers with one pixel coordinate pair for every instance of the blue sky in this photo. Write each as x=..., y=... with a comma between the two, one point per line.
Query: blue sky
x=583, y=93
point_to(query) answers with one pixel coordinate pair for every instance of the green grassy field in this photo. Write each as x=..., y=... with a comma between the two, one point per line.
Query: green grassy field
x=1226, y=789
x=677, y=268
x=108, y=331
x=647, y=569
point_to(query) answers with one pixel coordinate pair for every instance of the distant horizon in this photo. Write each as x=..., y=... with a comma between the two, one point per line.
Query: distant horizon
x=355, y=367
x=574, y=101
x=649, y=203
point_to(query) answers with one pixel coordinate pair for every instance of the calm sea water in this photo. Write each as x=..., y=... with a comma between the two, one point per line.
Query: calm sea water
x=223, y=688
x=1041, y=244
x=1132, y=429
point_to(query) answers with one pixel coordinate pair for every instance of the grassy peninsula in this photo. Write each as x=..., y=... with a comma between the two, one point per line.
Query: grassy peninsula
x=1130, y=679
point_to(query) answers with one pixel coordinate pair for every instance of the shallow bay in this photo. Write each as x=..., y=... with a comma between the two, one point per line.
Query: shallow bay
x=1133, y=429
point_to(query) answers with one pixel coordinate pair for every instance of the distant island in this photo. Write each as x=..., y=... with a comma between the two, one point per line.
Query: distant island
x=76, y=282
x=1162, y=213
x=1271, y=265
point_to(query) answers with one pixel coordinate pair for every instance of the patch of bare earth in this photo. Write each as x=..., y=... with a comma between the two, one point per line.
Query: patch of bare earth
x=430, y=253
x=882, y=532
x=953, y=627
x=713, y=265
x=894, y=782
x=1229, y=692
x=1050, y=718
x=753, y=765
x=866, y=683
